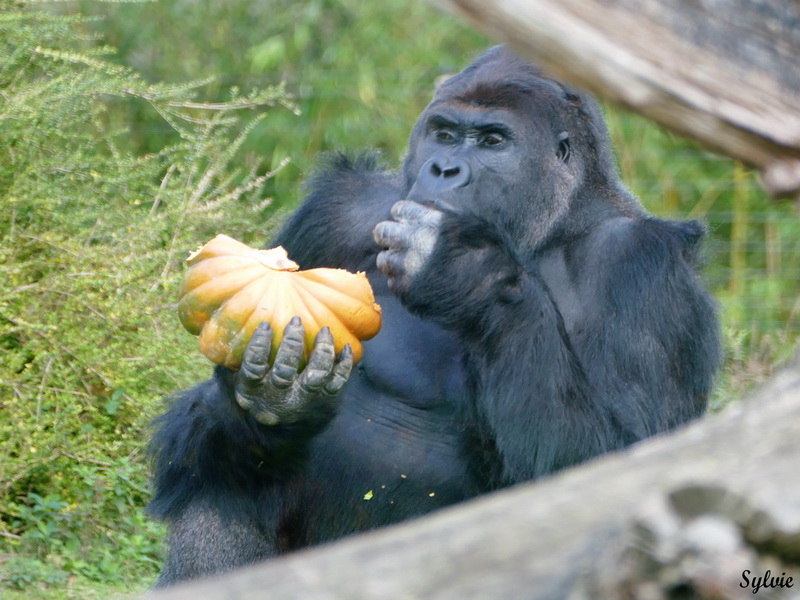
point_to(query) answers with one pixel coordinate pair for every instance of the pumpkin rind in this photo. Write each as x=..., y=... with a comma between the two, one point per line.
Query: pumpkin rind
x=230, y=288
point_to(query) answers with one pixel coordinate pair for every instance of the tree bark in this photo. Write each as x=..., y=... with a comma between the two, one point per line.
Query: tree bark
x=679, y=516
x=723, y=72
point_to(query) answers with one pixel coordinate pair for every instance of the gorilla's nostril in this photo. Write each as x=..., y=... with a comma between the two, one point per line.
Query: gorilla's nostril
x=451, y=172
x=444, y=171
x=440, y=174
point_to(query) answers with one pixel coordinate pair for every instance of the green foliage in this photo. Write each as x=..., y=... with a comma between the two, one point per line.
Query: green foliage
x=92, y=238
x=79, y=589
x=105, y=507
x=360, y=72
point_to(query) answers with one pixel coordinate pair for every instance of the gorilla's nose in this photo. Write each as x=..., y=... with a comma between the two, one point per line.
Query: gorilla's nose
x=443, y=174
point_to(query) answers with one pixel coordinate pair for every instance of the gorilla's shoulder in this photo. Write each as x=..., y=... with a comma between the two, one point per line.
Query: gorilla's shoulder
x=646, y=239
x=683, y=237
x=346, y=197
x=340, y=170
x=364, y=161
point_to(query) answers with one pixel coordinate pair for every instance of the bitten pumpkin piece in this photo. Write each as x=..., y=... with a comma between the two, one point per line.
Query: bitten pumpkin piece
x=230, y=288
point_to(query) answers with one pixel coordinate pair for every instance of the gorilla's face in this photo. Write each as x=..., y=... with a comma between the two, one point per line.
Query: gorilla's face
x=499, y=148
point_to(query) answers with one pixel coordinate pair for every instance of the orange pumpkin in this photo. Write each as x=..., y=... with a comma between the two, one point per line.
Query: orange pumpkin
x=230, y=288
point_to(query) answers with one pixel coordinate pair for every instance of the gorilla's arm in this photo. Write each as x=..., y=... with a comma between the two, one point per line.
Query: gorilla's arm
x=211, y=435
x=333, y=227
x=224, y=449
x=552, y=397
x=205, y=437
x=218, y=479
x=655, y=347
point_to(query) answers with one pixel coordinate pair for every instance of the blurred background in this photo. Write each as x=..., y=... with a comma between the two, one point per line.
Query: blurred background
x=130, y=133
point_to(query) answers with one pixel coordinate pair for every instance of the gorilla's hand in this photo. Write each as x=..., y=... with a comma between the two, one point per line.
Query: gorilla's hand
x=279, y=394
x=408, y=241
x=446, y=266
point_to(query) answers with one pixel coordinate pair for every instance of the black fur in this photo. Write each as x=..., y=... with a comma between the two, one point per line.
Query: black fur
x=550, y=320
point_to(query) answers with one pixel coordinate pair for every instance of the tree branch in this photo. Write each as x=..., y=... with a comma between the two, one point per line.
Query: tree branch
x=724, y=73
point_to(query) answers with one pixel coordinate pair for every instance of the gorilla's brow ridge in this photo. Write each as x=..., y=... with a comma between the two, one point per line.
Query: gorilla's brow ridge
x=463, y=122
x=497, y=95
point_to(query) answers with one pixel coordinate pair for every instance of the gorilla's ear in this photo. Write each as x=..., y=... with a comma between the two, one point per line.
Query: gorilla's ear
x=563, y=151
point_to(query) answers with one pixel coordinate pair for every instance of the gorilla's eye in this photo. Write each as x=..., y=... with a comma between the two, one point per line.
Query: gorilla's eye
x=492, y=139
x=445, y=135
x=563, y=147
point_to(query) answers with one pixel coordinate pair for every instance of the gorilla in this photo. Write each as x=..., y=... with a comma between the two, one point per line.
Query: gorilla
x=534, y=316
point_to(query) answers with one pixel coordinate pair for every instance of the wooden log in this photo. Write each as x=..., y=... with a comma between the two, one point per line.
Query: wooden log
x=723, y=72
x=686, y=513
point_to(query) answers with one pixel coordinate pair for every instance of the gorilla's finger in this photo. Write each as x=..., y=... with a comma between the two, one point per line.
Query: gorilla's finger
x=423, y=240
x=341, y=371
x=390, y=234
x=256, y=356
x=391, y=262
x=414, y=212
x=243, y=401
x=289, y=354
x=320, y=362
x=323, y=353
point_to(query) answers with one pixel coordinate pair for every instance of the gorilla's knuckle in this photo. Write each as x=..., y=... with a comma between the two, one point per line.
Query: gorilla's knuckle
x=293, y=337
x=398, y=209
x=391, y=262
x=243, y=401
x=424, y=241
x=314, y=379
x=379, y=233
x=335, y=384
x=252, y=372
x=291, y=349
x=322, y=356
x=283, y=375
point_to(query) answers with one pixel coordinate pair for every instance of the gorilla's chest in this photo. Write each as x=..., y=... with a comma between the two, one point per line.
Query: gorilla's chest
x=395, y=449
x=412, y=360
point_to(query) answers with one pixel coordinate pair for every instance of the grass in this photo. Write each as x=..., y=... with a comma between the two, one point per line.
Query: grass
x=78, y=589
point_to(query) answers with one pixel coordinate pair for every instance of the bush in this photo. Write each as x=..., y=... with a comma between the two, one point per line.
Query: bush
x=92, y=238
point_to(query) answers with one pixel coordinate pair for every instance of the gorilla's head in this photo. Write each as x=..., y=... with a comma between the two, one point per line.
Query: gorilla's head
x=502, y=141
